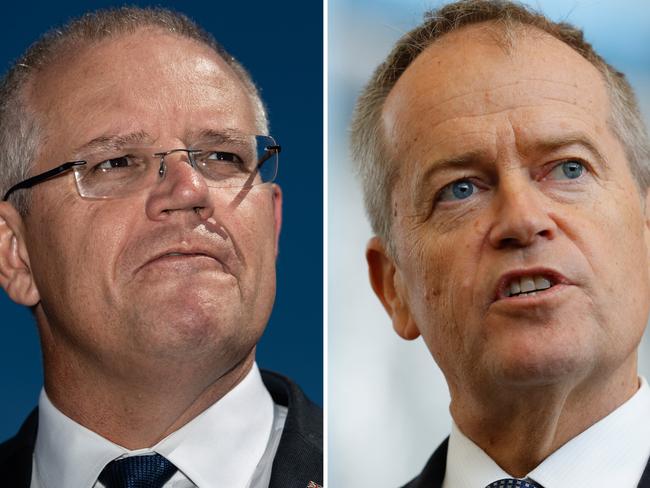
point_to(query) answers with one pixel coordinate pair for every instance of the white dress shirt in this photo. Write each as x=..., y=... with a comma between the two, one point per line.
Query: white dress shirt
x=231, y=444
x=612, y=452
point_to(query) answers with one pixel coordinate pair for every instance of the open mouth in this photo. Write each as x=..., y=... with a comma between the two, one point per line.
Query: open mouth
x=527, y=285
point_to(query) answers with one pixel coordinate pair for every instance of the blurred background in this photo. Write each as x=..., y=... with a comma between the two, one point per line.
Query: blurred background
x=282, y=48
x=388, y=402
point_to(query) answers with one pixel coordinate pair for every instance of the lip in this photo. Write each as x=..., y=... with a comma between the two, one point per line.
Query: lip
x=182, y=254
x=560, y=282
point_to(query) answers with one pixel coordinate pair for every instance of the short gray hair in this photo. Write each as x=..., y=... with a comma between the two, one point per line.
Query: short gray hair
x=378, y=173
x=20, y=132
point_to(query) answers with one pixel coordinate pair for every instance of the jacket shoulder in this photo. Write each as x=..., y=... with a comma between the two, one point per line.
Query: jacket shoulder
x=16, y=454
x=433, y=473
x=299, y=458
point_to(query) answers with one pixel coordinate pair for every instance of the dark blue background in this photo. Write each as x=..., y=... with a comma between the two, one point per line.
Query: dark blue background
x=281, y=45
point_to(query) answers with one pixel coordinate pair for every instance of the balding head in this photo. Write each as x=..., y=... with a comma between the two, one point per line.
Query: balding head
x=21, y=130
x=378, y=172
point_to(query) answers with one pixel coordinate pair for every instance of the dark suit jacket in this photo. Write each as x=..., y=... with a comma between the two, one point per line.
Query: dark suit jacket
x=298, y=461
x=433, y=473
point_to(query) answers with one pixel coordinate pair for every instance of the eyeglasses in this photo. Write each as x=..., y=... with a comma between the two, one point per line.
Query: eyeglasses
x=234, y=161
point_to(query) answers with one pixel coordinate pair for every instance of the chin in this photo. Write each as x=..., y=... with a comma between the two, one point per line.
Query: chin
x=536, y=373
x=538, y=365
x=186, y=328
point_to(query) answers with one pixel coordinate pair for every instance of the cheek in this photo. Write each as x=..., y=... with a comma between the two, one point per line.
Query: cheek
x=622, y=251
x=611, y=237
x=441, y=290
x=80, y=251
x=614, y=238
x=252, y=228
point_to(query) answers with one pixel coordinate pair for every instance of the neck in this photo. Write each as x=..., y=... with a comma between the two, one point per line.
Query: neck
x=520, y=427
x=138, y=413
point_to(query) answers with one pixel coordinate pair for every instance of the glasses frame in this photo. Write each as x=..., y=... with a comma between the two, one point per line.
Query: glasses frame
x=65, y=167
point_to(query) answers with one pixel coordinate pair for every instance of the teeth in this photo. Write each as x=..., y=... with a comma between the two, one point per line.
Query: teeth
x=528, y=285
x=515, y=288
x=542, y=283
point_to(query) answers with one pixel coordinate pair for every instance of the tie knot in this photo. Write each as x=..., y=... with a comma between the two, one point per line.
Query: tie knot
x=514, y=483
x=151, y=471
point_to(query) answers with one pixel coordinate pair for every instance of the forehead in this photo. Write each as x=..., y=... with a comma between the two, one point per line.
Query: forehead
x=143, y=81
x=469, y=75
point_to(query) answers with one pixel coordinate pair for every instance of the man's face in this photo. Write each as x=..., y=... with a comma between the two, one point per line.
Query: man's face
x=510, y=178
x=179, y=269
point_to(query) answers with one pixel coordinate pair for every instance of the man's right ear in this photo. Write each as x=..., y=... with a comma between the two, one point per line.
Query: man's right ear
x=387, y=282
x=15, y=273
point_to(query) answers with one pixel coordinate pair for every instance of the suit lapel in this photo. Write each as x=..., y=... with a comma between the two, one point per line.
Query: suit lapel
x=433, y=473
x=645, y=478
x=298, y=462
x=16, y=455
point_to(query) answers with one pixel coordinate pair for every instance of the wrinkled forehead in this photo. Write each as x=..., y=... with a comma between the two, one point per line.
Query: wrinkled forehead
x=483, y=69
x=117, y=83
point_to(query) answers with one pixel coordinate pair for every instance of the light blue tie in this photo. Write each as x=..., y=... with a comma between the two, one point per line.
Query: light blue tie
x=514, y=483
x=137, y=472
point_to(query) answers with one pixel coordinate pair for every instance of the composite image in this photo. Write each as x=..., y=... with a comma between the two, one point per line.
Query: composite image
x=333, y=244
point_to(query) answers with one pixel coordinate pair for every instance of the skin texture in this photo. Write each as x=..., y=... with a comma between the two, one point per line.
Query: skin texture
x=134, y=347
x=526, y=374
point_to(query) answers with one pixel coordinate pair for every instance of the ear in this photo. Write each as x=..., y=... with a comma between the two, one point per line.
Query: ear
x=277, y=212
x=15, y=273
x=386, y=280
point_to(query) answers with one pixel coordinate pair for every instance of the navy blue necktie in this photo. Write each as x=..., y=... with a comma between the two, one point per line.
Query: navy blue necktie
x=514, y=483
x=137, y=472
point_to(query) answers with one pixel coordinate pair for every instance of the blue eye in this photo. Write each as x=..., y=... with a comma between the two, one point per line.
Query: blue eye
x=458, y=190
x=569, y=169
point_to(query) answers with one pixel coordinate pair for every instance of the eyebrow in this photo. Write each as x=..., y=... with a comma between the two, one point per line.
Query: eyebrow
x=218, y=136
x=474, y=158
x=572, y=139
x=468, y=159
x=114, y=141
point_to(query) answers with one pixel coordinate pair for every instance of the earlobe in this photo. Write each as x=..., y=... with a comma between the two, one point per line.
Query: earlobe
x=387, y=283
x=15, y=273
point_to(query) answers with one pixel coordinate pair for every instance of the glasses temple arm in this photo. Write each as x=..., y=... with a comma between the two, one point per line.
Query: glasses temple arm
x=268, y=154
x=34, y=180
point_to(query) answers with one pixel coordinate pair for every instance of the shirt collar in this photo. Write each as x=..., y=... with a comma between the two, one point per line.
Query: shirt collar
x=220, y=447
x=612, y=452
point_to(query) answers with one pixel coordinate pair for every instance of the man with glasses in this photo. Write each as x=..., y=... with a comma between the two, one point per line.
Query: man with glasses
x=140, y=224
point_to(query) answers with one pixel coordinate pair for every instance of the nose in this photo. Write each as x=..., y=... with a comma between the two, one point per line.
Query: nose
x=180, y=189
x=521, y=217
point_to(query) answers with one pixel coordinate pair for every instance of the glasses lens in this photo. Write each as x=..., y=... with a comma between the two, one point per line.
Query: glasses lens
x=234, y=161
x=238, y=161
x=267, y=158
x=107, y=176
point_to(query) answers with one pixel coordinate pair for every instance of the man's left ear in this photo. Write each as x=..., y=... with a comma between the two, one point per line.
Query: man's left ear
x=277, y=212
x=15, y=272
x=387, y=283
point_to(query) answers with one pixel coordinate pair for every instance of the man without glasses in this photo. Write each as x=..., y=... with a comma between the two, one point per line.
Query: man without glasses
x=506, y=171
x=141, y=225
